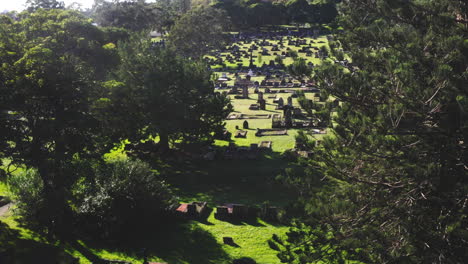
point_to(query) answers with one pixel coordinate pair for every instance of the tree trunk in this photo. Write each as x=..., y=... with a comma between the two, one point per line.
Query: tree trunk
x=163, y=141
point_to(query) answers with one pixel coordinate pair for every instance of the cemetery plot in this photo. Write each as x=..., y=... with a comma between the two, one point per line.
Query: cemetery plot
x=271, y=132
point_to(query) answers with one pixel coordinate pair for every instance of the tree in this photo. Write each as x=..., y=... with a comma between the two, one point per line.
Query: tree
x=131, y=15
x=33, y=5
x=160, y=94
x=52, y=61
x=120, y=195
x=199, y=31
x=393, y=185
x=299, y=11
x=299, y=69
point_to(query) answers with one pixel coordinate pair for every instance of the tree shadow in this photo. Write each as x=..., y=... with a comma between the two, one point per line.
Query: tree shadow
x=174, y=241
x=247, y=221
x=14, y=249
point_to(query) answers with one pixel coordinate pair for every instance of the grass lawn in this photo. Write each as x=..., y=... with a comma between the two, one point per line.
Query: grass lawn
x=279, y=143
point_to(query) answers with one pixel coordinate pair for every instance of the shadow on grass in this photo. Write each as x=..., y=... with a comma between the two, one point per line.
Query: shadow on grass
x=203, y=219
x=16, y=250
x=174, y=242
x=243, y=181
x=251, y=222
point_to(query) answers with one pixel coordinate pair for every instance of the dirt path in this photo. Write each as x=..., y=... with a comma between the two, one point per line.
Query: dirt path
x=4, y=209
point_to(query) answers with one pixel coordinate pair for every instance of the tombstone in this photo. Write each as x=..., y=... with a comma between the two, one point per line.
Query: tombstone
x=224, y=75
x=262, y=104
x=253, y=146
x=267, y=90
x=260, y=96
x=281, y=102
x=248, y=77
x=191, y=209
x=245, y=124
x=256, y=90
x=245, y=91
x=221, y=212
x=228, y=241
x=290, y=101
x=288, y=118
x=251, y=73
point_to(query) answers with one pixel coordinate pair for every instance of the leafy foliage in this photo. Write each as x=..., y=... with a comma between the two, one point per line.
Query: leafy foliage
x=393, y=177
x=121, y=194
x=199, y=31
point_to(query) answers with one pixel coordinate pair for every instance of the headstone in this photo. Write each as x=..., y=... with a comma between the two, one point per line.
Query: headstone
x=290, y=101
x=288, y=118
x=281, y=102
x=262, y=104
x=260, y=96
x=245, y=92
x=245, y=125
x=267, y=90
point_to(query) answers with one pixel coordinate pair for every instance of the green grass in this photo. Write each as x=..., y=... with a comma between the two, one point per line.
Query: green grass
x=251, y=239
x=266, y=59
x=279, y=143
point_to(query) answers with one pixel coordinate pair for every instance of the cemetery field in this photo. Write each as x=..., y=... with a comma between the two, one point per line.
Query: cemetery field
x=248, y=181
x=269, y=53
x=280, y=143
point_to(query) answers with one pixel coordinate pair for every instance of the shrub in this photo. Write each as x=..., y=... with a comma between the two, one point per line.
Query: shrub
x=122, y=194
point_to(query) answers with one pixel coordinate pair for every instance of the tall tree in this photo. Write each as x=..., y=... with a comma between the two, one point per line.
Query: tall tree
x=160, y=94
x=52, y=61
x=133, y=15
x=391, y=185
x=199, y=31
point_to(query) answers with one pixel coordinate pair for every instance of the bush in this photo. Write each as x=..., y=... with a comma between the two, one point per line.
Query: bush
x=122, y=194
x=28, y=191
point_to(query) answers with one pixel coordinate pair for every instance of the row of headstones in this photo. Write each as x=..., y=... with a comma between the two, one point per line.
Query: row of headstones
x=240, y=211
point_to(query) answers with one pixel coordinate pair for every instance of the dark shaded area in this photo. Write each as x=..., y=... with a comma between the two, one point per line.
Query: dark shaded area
x=175, y=241
x=15, y=250
x=244, y=260
x=244, y=181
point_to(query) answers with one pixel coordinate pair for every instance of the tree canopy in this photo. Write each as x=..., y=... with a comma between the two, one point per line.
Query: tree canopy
x=390, y=186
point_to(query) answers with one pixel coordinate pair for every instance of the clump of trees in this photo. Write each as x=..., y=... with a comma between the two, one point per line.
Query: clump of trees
x=70, y=92
x=390, y=186
x=246, y=14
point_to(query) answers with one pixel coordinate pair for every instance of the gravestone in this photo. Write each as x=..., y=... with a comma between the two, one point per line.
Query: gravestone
x=260, y=96
x=267, y=90
x=290, y=101
x=245, y=92
x=262, y=104
x=288, y=118
x=245, y=125
x=281, y=102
